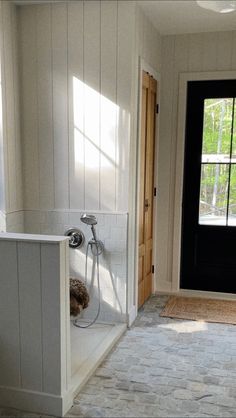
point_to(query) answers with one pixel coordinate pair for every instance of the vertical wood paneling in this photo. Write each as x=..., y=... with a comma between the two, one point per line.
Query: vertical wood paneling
x=164, y=180
x=60, y=104
x=76, y=103
x=3, y=179
x=109, y=111
x=29, y=108
x=65, y=309
x=9, y=103
x=16, y=83
x=125, y=44
x=10, y=362
x=195, y=55
x=209, y=44
x=30, y=315
x=92, y=102
x=91, y=63
x=224, y=50
x=44, y=95
x=233, y=43
x=51, y=317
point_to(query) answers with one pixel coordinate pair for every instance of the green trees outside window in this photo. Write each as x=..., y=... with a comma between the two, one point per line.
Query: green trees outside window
x=218, y=163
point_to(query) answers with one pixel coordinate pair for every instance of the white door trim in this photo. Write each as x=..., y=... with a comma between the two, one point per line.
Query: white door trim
x=183, y=81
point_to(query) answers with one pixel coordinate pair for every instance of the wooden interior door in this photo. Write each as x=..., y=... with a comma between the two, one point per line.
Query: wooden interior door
x=146, y=188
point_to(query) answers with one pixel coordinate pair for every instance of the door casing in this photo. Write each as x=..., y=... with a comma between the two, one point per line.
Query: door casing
x=183, y=81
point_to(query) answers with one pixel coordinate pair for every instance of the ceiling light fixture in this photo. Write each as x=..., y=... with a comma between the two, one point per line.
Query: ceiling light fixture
x=218, y=6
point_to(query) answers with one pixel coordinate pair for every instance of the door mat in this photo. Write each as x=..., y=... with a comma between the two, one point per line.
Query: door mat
x=201, y=309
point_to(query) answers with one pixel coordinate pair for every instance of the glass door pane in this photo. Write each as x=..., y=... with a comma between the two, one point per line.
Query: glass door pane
x=217, y=130
x=213, y=194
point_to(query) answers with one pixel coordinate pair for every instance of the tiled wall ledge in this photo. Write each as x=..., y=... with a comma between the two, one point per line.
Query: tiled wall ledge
x=15, y=221
x=112, y=230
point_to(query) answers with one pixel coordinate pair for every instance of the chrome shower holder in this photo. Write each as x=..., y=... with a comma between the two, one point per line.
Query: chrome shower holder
x=97, y=247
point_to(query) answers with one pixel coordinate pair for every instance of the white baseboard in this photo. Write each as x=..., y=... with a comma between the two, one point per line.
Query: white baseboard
x=132, y=315
x=163, y=287
x=37, y=402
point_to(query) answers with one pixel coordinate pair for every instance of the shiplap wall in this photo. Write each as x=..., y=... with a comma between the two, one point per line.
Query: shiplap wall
x=76, y=71
x=34, y=322
x=148, y=41
x=10, y=102
x=2, y=177
x=182, y=53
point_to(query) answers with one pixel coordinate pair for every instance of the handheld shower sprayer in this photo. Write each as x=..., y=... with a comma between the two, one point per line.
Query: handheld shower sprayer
x=92, y=221
x=97, y=248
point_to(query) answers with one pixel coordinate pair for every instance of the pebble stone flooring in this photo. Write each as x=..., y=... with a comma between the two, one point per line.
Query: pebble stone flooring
x=163, y=367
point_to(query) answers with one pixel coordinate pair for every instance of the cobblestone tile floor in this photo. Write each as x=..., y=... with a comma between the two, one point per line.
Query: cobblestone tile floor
x=164, y=368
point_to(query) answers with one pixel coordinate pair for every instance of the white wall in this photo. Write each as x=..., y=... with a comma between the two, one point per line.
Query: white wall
x=2, y=177
x=148, y=41
x=182, y=53
x=11, y=119
x=76, y=73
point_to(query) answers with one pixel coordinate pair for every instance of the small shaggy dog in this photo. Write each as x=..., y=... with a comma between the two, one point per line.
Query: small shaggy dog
x=79, y=297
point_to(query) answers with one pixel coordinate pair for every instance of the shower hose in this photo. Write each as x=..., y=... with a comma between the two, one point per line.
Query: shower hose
x=96, y=252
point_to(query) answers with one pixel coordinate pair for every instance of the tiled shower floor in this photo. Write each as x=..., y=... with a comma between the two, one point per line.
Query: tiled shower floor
x=164, y=368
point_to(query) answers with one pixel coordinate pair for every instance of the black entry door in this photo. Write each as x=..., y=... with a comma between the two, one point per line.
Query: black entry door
x=208, y=250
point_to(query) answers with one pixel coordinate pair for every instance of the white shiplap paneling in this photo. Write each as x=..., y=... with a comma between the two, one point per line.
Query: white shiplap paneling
x=125, y=44
x=76, y=101
x=60, y=103
x=50, y=271
x=30, y=313
x=109, y=108
x=29, y=107
x=82, y=104
x=44, y=105
x=34, y=323
x=10, y=358
x=9, y=102
x=92, y=86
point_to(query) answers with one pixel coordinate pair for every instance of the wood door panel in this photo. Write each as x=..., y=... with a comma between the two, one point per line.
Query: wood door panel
x=146, y=186
x=142, y=163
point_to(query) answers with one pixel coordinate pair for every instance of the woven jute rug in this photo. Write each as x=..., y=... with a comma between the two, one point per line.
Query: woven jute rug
x=201, y=309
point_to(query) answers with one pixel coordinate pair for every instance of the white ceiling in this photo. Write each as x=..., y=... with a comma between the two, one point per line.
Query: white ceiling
x=176, y=17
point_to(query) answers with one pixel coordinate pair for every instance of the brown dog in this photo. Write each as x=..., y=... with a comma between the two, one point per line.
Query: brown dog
x=79, y=297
